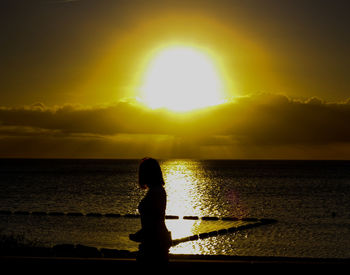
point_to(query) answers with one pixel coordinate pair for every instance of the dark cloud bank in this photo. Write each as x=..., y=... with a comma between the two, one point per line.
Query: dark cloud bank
x=246, y=125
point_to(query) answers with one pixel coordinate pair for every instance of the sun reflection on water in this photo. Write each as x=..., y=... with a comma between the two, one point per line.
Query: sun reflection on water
x=184, y=183
x=194, y=190
x=182, y=180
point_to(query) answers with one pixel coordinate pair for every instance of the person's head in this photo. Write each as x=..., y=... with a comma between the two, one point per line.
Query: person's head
x=150, y=173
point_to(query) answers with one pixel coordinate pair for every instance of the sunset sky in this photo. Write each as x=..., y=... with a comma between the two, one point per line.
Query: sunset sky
x=260, y=79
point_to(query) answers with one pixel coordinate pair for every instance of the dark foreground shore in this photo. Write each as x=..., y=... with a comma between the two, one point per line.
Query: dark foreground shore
x=80, y=259
x=177, y=263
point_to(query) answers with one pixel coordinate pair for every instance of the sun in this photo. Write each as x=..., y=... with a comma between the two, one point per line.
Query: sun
x=181, y=79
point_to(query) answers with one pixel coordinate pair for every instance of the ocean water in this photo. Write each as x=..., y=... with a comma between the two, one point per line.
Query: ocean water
x=309, y=199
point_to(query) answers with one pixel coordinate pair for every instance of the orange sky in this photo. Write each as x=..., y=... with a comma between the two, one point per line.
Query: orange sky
x=71, y=70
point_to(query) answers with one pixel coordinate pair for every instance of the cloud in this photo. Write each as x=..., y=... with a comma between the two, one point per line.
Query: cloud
x=277, y=119
x=252, y=125
x=72, y=119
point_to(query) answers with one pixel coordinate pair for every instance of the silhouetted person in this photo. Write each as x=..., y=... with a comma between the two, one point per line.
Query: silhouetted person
x=154, y=236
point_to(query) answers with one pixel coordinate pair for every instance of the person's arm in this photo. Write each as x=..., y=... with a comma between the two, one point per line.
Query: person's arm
x=137, y=237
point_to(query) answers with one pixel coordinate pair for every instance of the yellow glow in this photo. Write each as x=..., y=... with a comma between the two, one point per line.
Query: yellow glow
x=181, y=79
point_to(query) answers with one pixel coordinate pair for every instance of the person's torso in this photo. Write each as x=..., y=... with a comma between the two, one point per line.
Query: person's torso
x=152, y=211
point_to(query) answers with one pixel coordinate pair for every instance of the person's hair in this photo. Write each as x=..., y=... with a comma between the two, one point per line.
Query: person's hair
x=150, y=173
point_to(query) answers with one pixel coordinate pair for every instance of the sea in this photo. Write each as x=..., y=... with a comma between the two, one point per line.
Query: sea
x=94, y=202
